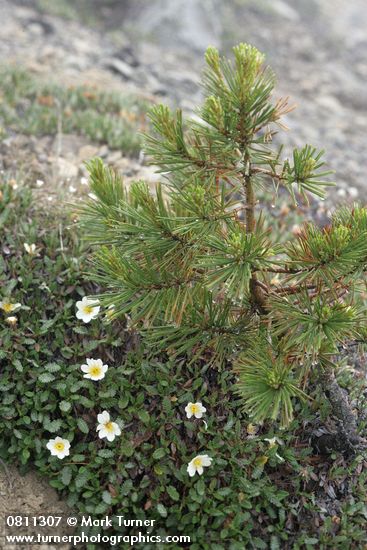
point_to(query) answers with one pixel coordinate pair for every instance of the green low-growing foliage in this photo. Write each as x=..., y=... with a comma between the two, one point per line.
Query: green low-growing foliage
x=259, y=491
x=31, y=106
x=67, y=9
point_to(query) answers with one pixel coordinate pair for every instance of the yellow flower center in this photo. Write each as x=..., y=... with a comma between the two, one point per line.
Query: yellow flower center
x=109, y=426
x=88, y=309
x=198, y=462
x=194, y=409
x=95, y=371
x=7, y=307
x=59, y=446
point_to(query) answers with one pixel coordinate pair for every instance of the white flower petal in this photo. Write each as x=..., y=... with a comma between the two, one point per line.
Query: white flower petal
x=191, y=469
x=103, y=417
x=86, y=319
x=116, y=428
x=207, y=460
x=97, y=377
x=102, y=433
x=188, y=410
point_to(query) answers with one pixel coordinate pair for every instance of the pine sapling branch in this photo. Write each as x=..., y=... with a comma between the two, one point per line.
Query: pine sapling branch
x=193, y=266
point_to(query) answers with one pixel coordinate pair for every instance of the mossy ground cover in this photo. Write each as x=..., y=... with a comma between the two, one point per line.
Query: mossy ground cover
x=32, y=106
x=256, y=493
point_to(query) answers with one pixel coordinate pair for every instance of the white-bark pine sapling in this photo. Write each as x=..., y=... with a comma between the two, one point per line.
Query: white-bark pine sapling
x=200, y=270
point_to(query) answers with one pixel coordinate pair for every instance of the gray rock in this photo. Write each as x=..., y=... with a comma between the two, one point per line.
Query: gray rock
x=285, y=10
x=330, y=103
x=193, y=23
x=120, y=67
x=66, y=169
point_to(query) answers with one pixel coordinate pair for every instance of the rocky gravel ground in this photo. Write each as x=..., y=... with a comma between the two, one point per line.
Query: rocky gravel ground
x=29, y=494
x=318, y=48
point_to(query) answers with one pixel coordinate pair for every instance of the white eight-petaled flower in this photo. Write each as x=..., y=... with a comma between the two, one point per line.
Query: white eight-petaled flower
x=106, y=428
x=197, y=464
x=59, y=447
x=12, y=320
x=8, y=307
x=273, y=441
x=94, y=369
x=195, y=409
x=87, y=309
x=30, y=249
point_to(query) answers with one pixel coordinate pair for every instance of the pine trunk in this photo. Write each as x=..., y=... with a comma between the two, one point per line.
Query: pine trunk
x=346, y=439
